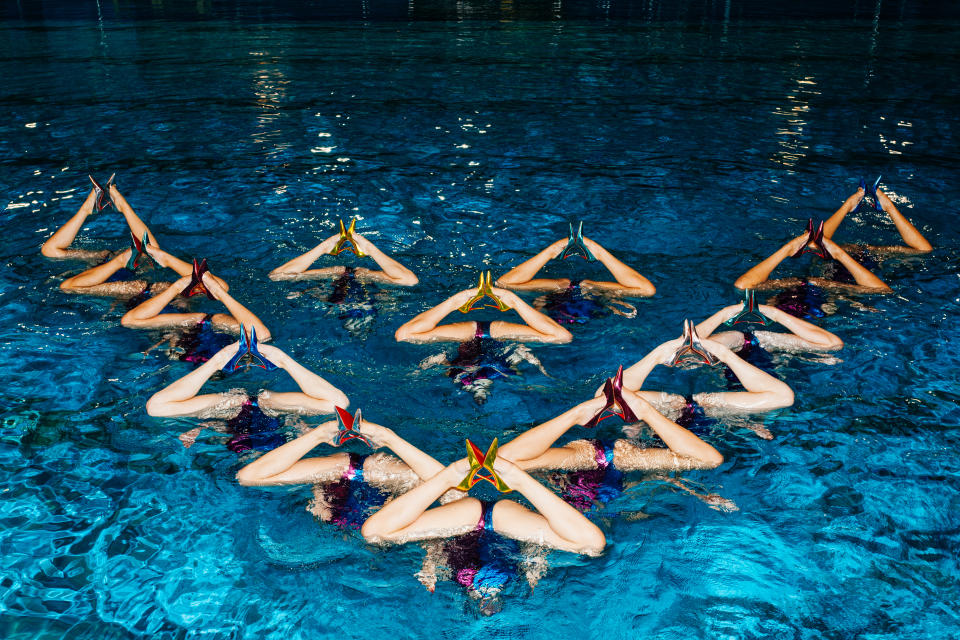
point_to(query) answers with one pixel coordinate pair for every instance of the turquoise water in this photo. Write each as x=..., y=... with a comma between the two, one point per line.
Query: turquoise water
x=690, y=144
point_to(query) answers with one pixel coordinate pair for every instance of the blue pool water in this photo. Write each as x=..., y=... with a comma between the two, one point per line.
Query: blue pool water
x=692, y=141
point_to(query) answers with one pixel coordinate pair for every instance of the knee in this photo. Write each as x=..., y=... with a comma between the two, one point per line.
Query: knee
x=714, y=460
x=594, y=542
x=785, y=397
x=371, y=532
x=246, y=478
x=157, y=407
x=129, y=319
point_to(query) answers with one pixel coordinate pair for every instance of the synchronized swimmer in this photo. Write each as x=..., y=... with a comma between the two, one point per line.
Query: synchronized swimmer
x=398, y=493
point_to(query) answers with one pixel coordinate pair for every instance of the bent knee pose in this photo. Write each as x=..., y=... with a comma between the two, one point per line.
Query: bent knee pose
x=914, y=242
x=347, y=487
x=201, y=334
x=58, y=245
x=482, y=355
x=350, y=292
x=113, y=278
x=597, y=467
x=474, y=531
x=576, y=301
x=553, y=524
x=761, y=391
x=392, y=272
x=252, y=420
x=802, y=336
x=426, y=326
x=863, y=280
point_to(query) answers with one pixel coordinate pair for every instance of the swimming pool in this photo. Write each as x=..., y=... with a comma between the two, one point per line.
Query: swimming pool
x=692, y=145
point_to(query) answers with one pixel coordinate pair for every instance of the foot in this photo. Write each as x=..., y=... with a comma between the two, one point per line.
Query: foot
x=854, y=200
x=188, y=438
x=884, y=202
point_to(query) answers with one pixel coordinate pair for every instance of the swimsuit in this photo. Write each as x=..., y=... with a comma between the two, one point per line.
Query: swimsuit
x=694, y=419
x=572, y=307
x=861, y=255
x=481, y=358
x=253, y=429
x=584, y=489
x=350, y=499
x=801, y=301
x=751, y=352
x=201, y=341
x=482, y=559
x=351, y=294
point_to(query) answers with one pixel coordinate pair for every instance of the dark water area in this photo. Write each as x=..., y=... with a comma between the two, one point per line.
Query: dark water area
x=692, y=138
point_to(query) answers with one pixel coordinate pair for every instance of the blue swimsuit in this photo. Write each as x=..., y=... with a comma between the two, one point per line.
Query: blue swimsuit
x=253, y=429
x=481, y=358
x=482, y=558
x=351, y=499
x=584, y=489
x=572, y=307
x=801, y=301
x=694, y=419
x=353, y=296
x=201, y=342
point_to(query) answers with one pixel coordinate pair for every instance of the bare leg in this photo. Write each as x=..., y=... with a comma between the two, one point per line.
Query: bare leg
x=149, y=314
x=830, y=226
x=286, y=463
x=538, y=328
x=557, y=524
x=803, y=335
x=317, y=396
x=522, y=277
x=181, y=399
x=299, y=267
x=137, y=227
x=761, y=272
x=238, y=312
x=763, y=391
x=864, y=279
x=908, y=232
x=628, y=280
x=423, y=464
x=393, y=271
x=174, y=263
x=426, y=327
x=635, y=375
x=409, y=516
x=57, y=245
x=93, y=281
x=534, y=443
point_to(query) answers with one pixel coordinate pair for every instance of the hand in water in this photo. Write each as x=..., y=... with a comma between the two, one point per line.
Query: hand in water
x=719, y=503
